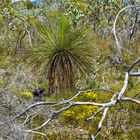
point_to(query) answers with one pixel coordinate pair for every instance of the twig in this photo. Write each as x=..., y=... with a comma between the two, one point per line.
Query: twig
x=135, y=63
x=38, y=133
x=32, y=106
x=134, y=74
x=96, y=113
x=131, y=100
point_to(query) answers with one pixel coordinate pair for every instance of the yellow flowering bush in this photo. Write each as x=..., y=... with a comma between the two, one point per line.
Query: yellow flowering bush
x=88, y=96
x=27, y=94
x=79, y=114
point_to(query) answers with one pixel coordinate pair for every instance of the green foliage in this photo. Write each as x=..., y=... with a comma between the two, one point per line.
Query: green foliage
x=76, y=11
x=70, y=135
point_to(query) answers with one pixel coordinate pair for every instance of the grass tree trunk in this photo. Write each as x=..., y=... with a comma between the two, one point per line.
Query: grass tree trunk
x=60, y=73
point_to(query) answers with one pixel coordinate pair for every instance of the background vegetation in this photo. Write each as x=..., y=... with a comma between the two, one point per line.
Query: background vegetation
x=65, y=46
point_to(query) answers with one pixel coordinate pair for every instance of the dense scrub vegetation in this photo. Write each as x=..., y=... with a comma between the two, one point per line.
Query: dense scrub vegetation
x=64, y=47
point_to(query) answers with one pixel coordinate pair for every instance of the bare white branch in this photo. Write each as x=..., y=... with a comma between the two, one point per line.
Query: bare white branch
x=124, y=86
x=102, y=119
x=115, y=22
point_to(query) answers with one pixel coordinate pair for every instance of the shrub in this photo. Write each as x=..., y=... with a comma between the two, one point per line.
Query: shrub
x=79, y=114
x=27, y=94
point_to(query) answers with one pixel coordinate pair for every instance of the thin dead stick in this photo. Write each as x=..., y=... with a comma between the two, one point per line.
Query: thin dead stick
x=38, y=133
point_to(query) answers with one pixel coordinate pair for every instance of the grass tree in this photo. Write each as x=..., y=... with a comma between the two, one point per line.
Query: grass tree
x=63, y=52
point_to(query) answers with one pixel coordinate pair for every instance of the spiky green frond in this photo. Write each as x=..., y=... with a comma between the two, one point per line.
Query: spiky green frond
x=59, y=37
